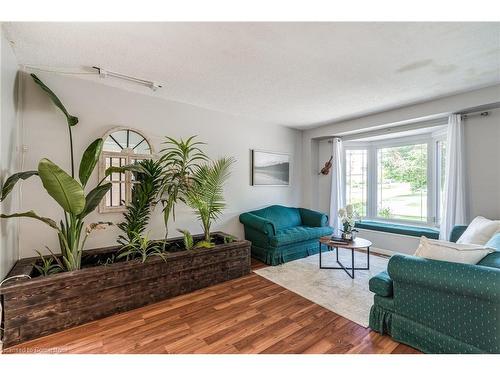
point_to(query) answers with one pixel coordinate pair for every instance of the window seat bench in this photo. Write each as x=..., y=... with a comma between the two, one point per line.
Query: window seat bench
x=407, y=230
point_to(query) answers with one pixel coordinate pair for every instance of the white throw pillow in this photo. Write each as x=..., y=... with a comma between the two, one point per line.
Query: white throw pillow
x=451, y=251
x=480, y=231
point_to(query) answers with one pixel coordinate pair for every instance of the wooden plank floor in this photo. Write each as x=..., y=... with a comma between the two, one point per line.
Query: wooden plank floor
x=246, y=315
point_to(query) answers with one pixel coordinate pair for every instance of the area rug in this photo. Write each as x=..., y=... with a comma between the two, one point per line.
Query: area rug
x=332, y=289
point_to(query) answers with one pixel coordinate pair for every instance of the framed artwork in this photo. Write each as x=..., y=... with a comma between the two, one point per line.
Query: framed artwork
x=270, y=168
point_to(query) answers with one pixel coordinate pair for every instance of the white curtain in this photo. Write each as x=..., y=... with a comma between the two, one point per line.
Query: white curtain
x=337, y=192
x=454, y=212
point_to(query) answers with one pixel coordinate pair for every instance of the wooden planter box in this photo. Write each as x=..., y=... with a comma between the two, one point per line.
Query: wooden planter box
x=37, y=307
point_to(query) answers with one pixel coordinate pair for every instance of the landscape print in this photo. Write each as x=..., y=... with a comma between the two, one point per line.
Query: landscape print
x=270, y=168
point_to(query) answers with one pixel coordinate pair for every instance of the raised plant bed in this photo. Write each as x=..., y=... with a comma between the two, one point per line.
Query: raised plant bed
x=42, y=305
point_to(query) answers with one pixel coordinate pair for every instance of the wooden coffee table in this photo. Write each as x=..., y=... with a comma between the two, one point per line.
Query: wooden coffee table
x=357, y=244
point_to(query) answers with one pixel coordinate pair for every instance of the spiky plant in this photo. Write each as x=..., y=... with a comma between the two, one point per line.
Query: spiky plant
x=141, y=247
x=205, y=196
x=48, y=265
x=187, y=239
x=144, y=195
x=180, y=160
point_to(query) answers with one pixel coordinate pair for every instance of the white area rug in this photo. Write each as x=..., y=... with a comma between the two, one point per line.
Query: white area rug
x=332, y=289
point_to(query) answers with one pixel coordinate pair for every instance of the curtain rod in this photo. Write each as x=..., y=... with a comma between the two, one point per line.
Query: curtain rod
x=393, y=129
x=479, y=111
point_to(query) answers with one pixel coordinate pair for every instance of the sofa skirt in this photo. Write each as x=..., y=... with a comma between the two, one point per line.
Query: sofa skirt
x=283, y=254
x=416, y=335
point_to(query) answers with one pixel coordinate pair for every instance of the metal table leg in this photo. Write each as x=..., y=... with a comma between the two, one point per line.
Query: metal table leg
x=352, y=268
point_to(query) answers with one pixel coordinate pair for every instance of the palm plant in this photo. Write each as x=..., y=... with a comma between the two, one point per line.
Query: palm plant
x=206, y=196
x=180, y=160
x=148, y=175
x=66, y=191
x=187, y=239
x=141, y=247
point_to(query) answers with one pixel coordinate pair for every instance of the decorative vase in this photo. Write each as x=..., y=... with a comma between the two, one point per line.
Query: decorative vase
x=347, y=236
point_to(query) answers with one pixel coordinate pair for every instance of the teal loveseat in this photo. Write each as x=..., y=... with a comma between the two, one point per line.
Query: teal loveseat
x=440, y=307
x=280, y=234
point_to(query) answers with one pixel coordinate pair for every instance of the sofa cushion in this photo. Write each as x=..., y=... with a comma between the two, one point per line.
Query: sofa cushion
x=406, y=230
x=480, y=231
x=494, y=242
x=451, y=251
x=298, y=234
x=312, y=218
x=281, y=216
x=381, y=284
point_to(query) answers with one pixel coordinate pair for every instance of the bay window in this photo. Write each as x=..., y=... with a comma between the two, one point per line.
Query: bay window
x=396, y=180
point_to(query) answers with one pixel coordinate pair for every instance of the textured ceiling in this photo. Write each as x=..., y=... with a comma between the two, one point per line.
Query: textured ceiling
x=295, y=74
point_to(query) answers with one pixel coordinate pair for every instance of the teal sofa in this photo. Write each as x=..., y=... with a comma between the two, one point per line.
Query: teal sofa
x=280, y=234
x=440, y=307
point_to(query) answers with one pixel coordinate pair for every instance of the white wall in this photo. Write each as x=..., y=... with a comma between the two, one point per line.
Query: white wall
x=9, y=156
x=100, y=107
x=482, y=147
x=482, y=135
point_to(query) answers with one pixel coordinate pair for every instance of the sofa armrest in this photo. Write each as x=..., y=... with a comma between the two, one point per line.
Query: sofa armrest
x=491, y=260
x=452, y=278
x=381, y=284
x=456, y=232
x=312, y=218
x=258, y=223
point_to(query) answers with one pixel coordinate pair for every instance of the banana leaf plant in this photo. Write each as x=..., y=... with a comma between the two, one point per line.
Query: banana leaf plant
x=67, y=192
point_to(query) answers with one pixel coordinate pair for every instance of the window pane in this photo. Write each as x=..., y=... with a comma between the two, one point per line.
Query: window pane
x=127, y=140
x=139, y=144
x=356, y=180
x=115, y=162
x=116, y=195
x=402, y=182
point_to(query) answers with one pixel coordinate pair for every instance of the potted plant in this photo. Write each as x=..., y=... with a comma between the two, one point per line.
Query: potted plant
x=348, y=218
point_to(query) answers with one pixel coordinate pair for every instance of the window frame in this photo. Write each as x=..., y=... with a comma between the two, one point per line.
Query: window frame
x=431, y=139
x=128, y=155
x=357, y=146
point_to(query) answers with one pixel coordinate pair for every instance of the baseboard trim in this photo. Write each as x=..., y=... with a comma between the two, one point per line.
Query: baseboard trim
x=385, y=252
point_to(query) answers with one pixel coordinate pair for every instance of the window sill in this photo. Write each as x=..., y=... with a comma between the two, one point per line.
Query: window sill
x=406, y=230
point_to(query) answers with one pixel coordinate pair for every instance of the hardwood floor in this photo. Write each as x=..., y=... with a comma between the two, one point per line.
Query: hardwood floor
x=246, y=315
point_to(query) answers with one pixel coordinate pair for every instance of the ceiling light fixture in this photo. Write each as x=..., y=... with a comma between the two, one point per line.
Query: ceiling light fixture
x=103, y=73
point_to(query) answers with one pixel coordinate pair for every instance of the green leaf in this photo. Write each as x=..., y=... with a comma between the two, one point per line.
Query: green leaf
x=188, y=238
x=62, y=187
x=72, y=120
x=93, y=198
x=12, y=180
x=204, y=244
x=125, y=168
x=32, y=215
x=89, y=160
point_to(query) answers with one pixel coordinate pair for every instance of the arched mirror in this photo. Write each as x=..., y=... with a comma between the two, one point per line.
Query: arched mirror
x=122, y=146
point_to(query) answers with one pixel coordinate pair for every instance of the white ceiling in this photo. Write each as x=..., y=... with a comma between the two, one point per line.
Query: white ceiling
x=295, y=74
